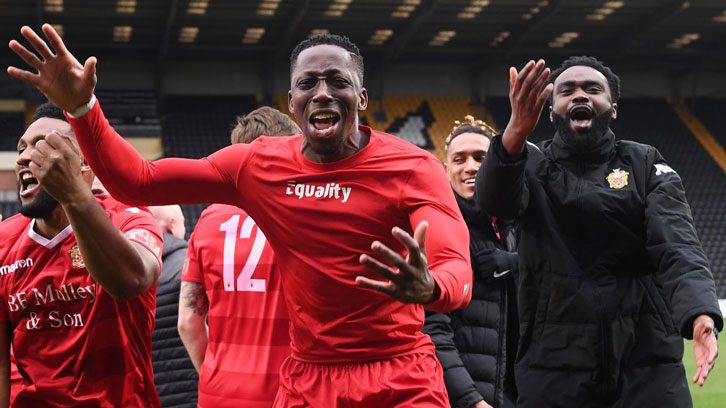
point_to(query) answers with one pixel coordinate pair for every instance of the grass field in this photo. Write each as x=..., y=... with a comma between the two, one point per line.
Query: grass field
x=713, y=392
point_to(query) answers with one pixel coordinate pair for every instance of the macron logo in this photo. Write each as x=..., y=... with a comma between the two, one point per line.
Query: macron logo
x=329, y=191
x=20, y=263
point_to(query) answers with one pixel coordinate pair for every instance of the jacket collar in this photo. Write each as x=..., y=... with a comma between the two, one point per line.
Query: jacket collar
x=600, y=151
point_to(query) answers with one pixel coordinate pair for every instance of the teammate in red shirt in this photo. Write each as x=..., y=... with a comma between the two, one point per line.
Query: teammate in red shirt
x=335, y=198
x=77, y=282
x=231, y=278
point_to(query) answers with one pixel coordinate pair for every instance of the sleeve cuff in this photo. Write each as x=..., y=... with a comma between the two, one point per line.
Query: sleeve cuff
x=83, y=109
x=502, y=153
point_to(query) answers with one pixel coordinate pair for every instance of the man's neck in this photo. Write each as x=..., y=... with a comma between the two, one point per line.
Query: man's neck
x=352, y=145
x=53, y=224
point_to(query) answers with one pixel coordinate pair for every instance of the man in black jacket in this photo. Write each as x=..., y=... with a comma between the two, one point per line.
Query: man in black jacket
x=174, y=374
x=476, y=345
x=612, y=274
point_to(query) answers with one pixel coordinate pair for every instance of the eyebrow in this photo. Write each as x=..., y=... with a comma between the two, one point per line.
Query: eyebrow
x=32, y=140
x=584, y=83
x=327, y=72
x=468, y=151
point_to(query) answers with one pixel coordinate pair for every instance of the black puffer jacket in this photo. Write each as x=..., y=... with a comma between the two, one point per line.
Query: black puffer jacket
x=476, y=345
x=174, y=374
x=612, y=274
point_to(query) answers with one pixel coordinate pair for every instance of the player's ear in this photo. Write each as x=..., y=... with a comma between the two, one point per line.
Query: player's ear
x=289, y=102
x=551, y=120
x=362, y=100
x=614, y=106
x=85, y=167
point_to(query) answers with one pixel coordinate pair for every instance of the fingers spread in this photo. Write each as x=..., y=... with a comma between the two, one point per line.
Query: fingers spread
x=89, y=68
x=512, y=78
x=384, y=287
x=404, y=238
x=388, y=254
x=378, y=267
x=420, y=235
x=522, y=77
x=24, y=75
x=54, y=39
x=27, y=56
x=40, y=46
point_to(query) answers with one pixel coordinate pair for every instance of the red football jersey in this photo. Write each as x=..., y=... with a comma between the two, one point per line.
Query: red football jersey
x=75, y=345
x=248, y=323
x=319, y=219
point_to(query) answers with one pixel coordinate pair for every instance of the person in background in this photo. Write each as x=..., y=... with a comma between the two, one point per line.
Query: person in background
x=477, y=345
x=174, y=374
x=239, y=357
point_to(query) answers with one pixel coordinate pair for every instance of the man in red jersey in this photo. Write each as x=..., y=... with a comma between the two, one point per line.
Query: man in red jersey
x=342, y=205
x=231, y=278
x=77, y=282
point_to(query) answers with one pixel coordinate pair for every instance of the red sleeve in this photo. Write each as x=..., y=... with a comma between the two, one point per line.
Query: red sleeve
x=140, y=226
x=133, y=180
x=192, y=271
x=429, y=197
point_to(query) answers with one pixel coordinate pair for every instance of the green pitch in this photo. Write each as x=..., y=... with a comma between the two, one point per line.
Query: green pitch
x=713, y=392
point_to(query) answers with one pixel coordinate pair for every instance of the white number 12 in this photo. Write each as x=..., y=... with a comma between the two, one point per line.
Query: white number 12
x=245, y=283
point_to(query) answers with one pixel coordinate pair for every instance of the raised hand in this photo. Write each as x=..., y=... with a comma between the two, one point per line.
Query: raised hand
x=705, y=347
x=527, y=98
x=61, y=78
x=411, y=281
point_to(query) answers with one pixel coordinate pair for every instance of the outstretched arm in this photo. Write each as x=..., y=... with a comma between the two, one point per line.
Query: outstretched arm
x=501, y=188
x=128, y=177
x=682, y=270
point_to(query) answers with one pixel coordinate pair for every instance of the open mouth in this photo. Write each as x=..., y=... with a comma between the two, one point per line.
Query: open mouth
x=581, y=116
x=28, y=184
x=470, y=181
x=324, y=123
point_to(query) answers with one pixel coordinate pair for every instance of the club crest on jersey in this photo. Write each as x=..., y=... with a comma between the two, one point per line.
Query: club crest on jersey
x=76, y=257
x=618, y=178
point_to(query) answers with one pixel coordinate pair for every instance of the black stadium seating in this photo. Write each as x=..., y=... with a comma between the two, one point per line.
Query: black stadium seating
x=711, y=113
x=196, y=126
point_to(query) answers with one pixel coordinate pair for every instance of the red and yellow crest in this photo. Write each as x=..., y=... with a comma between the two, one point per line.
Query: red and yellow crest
x=76, y=257
x=618, y=178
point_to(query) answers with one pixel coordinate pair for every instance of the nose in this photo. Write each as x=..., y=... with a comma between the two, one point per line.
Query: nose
x=472, y=166
x=580, y=96
x=322, y=93
x=24, y=157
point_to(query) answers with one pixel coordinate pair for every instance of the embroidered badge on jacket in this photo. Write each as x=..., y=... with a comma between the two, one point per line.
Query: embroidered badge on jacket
x=76, y=257
x=618, y=178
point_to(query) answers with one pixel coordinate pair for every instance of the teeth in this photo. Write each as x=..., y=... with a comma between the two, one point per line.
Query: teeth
x=27, y=176
x=323, y=116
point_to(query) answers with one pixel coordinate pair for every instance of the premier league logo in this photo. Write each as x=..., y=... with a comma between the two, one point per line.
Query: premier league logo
x=618, y=179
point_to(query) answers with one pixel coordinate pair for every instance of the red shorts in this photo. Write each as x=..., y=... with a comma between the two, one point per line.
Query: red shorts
x=414, y=380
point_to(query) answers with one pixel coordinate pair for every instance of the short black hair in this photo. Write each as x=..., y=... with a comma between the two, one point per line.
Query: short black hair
x=592, y=62
x=49, y=110
x=329, y=39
